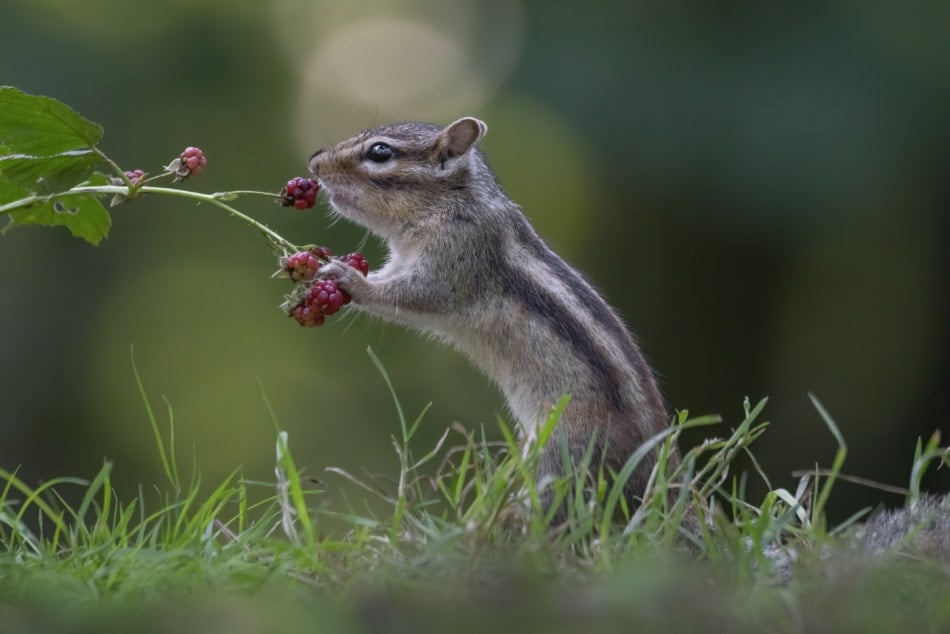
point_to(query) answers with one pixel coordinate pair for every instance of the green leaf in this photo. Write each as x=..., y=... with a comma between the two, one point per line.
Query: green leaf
x=37, y=126
x=82, y=214
x=10, y=191
x=45, y=146
x=49, y=174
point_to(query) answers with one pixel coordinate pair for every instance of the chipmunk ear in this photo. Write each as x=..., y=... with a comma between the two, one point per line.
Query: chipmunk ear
x=458, y=138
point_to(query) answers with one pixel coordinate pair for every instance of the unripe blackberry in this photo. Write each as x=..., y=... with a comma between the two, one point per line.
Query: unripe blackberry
x=357, y=261
x=190, y=162
x=321, y=298
x=326, y=297
x=193, y=159
x=300, y=193
x=302, y=266
x=322, y=253
x=135, y=177
x=306, y=316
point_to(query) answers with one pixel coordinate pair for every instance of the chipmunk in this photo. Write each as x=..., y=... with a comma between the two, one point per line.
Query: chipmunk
x=466, y=266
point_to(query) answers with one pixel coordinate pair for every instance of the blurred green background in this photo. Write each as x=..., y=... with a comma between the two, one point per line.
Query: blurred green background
x=761, y=191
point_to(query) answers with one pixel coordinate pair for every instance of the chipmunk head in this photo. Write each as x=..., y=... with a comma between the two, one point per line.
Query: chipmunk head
x=394, y=177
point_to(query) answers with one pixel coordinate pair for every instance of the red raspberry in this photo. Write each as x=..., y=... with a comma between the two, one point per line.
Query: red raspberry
x=135, y=177
x=193, y=159
x=326, y=297
x=357, y=261
x=300, y=193
x=302, y=266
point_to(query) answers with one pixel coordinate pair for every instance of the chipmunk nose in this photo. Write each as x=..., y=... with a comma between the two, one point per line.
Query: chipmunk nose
x=312, y=160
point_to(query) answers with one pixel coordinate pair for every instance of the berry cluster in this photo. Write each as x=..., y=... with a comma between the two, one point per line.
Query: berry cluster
x=322, y=297
x=300, y=193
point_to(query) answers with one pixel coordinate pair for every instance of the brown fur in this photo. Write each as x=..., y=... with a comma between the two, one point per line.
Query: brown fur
x=466, y=266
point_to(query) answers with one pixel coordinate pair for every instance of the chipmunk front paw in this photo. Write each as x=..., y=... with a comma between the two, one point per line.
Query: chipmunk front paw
x=347, y=278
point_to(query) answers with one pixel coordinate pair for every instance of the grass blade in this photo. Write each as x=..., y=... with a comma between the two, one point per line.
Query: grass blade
x=836, y=464
x=170, y=469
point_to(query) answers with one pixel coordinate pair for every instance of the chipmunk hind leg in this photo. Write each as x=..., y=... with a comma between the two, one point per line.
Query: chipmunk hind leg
x=567, y=454
x=590, y=458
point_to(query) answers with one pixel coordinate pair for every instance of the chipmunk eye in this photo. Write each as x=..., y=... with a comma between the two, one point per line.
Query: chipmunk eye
x=379, y=153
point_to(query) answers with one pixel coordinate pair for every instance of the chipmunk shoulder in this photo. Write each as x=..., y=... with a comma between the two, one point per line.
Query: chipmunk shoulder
x=465, y=265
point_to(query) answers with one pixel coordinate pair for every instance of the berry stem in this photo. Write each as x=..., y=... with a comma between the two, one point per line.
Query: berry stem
x=244, y=192
x=22, y=202
x=113, y=165
x=277, y=242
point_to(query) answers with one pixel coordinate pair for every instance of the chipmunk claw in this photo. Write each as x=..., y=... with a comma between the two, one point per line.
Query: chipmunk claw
x=334, y=270
x=347, y=277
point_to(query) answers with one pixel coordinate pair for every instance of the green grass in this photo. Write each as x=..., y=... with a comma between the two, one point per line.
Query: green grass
x=460, y=546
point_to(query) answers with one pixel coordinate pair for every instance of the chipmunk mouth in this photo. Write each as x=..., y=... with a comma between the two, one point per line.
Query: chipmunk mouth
x=339, y=200
x=332, y=196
